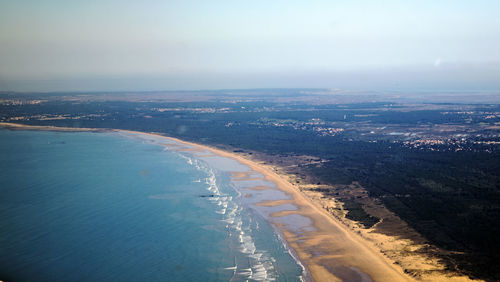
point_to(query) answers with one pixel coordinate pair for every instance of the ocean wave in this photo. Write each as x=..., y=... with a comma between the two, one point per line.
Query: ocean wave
x=250, y=263
x=258, y=265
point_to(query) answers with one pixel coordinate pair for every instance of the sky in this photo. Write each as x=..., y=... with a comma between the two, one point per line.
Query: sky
x=111, y=45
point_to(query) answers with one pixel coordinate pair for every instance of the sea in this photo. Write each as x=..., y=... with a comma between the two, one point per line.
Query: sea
x=111, y=206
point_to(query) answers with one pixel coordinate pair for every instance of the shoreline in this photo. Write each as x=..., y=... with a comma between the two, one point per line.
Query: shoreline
x=329, y=252
x=351, y=254
x=18, y=126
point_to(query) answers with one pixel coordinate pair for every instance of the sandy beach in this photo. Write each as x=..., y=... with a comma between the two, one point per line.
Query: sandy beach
x=332, y=252
x=9, y=125
x=329, y=249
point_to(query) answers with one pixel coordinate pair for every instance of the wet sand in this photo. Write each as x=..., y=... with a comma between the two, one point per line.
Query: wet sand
x=330, y=250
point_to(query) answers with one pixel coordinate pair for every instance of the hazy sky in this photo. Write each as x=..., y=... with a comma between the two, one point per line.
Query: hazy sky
x=153, y=45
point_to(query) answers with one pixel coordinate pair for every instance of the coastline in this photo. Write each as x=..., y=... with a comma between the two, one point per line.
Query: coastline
x=332, y=247
x=330, y=252
x=327, y=252
x=18, y=126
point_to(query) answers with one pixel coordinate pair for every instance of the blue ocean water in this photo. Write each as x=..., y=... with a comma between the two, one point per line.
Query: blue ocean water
x=82, y=206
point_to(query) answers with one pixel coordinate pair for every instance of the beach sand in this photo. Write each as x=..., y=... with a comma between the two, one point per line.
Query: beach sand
x=329, y=249
x=9, y=125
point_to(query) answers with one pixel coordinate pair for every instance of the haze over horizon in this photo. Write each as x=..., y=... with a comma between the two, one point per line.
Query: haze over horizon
x=56, y=45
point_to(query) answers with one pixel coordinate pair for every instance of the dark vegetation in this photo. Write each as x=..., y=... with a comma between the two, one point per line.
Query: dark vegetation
x=452, y=198
x=357, y=213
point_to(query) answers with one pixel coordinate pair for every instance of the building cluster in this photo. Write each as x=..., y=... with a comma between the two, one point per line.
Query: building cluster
x=195, y=110
x=452, y=144
x=17, y=102
x=328, y=131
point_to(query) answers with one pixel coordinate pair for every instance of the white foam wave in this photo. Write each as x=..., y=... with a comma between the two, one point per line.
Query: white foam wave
x=222, y=211
x=259, y=265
